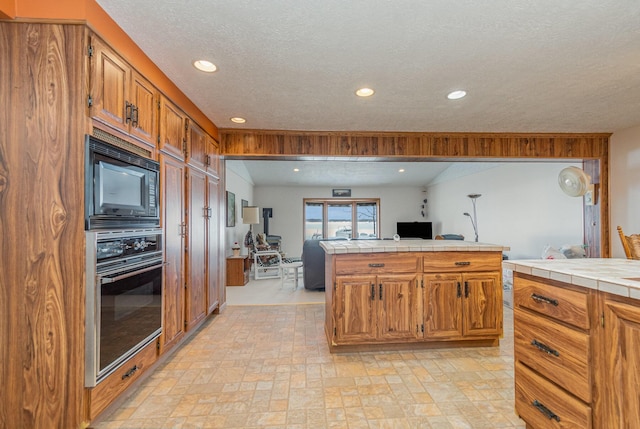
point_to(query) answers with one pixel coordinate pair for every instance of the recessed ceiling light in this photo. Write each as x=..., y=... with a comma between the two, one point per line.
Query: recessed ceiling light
x=365, y=92
x=455, y=95
x=401, y=170
x=296, y=169
x=205, y=66
x=238, y=120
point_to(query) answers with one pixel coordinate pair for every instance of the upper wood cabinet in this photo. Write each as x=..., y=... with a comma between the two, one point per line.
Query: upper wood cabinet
x=120, y=97
x=203, y=151
x=172, y=128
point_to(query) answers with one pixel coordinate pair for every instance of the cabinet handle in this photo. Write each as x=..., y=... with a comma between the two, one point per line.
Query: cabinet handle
x=466, y=289
x=376, y=265
x=380, y=291
x=544, y=410
x=462, y=263
x=183, y=229
x=459, y=290
x=130, y=372
x=544, y=299
x=373, y=292
x=545, y=348
x=127, y=112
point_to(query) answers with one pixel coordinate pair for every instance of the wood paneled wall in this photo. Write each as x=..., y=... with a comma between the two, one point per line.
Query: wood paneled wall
x=592, y=149
x=424, y=146
x=41, y=225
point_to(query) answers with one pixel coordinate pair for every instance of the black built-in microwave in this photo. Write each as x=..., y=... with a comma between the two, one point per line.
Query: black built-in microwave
x=121, y=188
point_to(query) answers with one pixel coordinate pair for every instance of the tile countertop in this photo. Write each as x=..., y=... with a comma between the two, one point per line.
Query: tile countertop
x=606, y=274
x=380, y=246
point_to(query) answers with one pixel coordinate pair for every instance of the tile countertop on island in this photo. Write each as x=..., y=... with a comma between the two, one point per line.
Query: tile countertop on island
x=388, y=246
x=615, y=276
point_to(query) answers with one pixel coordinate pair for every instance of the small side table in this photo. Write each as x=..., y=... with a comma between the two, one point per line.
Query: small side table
x=238, y=270
x=291, y=268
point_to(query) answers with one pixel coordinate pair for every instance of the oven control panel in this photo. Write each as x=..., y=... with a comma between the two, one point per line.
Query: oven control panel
x=109, y=246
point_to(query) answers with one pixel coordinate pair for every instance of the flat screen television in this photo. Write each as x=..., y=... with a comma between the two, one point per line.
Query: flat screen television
x=414, y=230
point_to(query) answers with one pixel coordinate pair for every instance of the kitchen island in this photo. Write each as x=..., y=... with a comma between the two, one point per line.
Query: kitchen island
x=390, y=295
x=577, y=342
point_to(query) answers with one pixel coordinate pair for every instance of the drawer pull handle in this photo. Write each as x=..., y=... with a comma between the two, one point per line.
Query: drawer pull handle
x=544, y=410
x=545, y=348
x=462, y=263
x=373, y=292
x=130, y=372
x=544, y=299
x=376, y=265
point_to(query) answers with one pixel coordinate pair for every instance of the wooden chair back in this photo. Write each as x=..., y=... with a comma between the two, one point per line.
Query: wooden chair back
x=630, y=244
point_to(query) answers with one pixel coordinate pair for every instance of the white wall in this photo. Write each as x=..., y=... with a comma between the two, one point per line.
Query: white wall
x=521, y=206
x=243, y=190
x=396, y=204
x=624, y=185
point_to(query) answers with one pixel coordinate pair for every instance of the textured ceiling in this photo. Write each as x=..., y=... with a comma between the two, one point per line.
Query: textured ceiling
x=543, y=66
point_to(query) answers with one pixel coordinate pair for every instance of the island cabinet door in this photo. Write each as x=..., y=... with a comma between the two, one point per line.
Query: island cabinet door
x=620, y=375
x=356, y=303
x=442, y=306
x=482, y=304
x=396, y=303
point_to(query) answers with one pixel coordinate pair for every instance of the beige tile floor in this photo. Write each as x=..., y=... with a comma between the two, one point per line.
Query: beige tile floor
x=269, y=367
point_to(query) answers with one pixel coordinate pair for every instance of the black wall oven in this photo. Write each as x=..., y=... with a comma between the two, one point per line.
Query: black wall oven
x=123, y=299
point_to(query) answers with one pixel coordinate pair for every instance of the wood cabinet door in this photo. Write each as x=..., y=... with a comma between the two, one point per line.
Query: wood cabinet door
x=144, y=98
x=109, y=86
x=213, y=244
x=482, y=304
x=172, y=128
x=442, y=305
x=196, y=304
x=196, y=146
x=620, y=376
x=213, y=151
x=395, y=315
x=172, y=183
x=356, y=302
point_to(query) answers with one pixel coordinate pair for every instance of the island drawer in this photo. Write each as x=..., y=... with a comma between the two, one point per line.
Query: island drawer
x=377, y=263
x=544, y=405
x=461, y=261
x=555, y=351
x=569, y=306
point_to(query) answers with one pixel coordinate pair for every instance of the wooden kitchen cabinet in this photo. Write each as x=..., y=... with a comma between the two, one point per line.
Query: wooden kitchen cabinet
x=172, y=129
x=174, y=227
x=383, y=298
x=554, y=338
x=120, y=97
x=620, y=376
x=458, y=304
x=375, y=308
x=214, y=249
x=196, y=287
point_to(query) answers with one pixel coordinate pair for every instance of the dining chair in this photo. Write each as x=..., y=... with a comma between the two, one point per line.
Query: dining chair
x=630, y=244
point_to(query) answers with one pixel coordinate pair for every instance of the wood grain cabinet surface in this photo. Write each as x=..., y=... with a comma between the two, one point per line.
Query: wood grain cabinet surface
x=382, y=299
x=120, y=96
x=577, y=356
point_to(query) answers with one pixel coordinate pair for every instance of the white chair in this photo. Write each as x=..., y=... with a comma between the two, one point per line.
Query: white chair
x=267, y=264
x=291, y=269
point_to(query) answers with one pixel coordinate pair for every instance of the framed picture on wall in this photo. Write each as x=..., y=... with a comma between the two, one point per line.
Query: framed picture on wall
x=231, y=209
x=244, y=204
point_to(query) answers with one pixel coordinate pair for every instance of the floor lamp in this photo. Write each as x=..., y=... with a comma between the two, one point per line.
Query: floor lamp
x=250, y=216
x=474, y=219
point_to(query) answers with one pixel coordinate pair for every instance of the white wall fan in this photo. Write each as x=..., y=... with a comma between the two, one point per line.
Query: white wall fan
x=576, y=183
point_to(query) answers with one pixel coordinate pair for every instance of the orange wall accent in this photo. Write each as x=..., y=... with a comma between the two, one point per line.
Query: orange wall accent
x=7, y=9
x=101, y=23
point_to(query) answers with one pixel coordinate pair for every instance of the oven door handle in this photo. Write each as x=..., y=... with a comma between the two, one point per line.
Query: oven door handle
x=104, y=280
